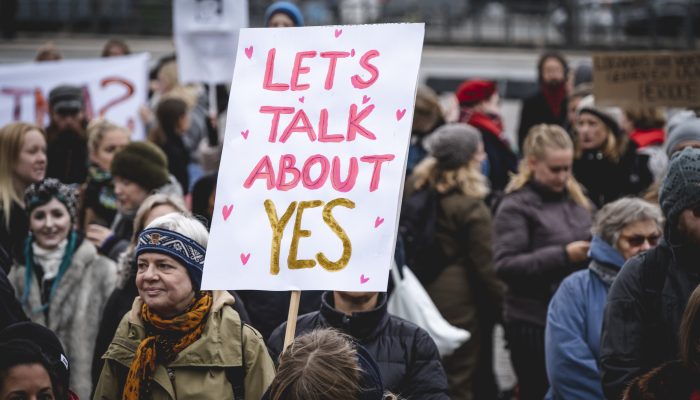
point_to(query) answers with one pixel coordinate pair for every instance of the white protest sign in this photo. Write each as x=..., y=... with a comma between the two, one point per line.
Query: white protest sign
x=310, y=180
x=206, y=37
x=112, y=87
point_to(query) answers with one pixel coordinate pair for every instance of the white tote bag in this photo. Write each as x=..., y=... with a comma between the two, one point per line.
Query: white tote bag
x=411, y=302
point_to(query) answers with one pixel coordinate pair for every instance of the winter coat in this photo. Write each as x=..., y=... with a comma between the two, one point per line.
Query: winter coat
x=10, y=310
x=670, y=381
x=607, y=181
x=67, y=156
x=643, y=314
x=574, y=324
x=535, y=111
x=267, y=310
x=199, y=370
x=502, y=161
x=178, y=159
x=121, y=301
x=531, y=230
x=12, y=238
x=407, y=357
x=75, y=308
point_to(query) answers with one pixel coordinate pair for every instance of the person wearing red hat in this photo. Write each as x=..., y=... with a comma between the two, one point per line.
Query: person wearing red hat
x=479, y=103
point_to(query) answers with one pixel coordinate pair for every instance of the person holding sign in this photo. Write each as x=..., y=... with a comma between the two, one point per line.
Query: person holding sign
x=179, y=341
x=407, y=357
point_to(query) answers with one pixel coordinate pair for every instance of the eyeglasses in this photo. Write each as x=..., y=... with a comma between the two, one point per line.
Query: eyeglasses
x=638, y=240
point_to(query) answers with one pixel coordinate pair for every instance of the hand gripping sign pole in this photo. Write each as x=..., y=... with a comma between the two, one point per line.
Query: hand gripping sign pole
x=314, y=155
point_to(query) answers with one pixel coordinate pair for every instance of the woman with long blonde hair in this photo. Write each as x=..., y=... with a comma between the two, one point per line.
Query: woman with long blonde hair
x=22, y=162
x=459, y=277
x=542, y=232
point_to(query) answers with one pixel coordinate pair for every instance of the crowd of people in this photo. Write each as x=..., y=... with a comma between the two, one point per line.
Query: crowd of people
x=580, y=237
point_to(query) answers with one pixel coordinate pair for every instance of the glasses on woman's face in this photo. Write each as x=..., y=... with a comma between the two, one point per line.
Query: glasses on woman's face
x=638, y=240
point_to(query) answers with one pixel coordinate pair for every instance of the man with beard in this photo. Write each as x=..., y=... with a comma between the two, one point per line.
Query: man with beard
x=408, y=359
x=549, y=104
x=66, y=136
x=646, y=302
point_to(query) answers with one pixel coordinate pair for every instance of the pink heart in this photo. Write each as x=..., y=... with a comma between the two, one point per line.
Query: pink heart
x=249, y=52
x=378, y=221
x=338, y=32
x=245, y=134
x=301, y=99
x=400, y=113
x=245, y=258
x=363, y=279
x=226, y=211
x=365, y=99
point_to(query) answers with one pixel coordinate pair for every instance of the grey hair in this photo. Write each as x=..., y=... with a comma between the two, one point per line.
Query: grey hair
x=614, y=217
x=184, y=225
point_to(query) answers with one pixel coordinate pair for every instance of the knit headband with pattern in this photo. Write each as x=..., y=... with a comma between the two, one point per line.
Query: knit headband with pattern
x=183, y=249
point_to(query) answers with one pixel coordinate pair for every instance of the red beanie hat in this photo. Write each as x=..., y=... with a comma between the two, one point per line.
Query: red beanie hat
x=473, y=92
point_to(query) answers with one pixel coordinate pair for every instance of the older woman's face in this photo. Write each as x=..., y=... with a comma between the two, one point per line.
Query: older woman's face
x=163, y=284
x=637, y=237
x=50, y=224
x=591, y=131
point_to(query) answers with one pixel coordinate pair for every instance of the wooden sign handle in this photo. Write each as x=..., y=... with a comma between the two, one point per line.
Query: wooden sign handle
x=292, y=318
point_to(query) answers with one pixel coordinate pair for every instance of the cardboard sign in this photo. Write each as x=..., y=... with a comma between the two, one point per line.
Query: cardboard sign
x=113, y=88
x=206, y=37
x=310, y=181
x=650, y=79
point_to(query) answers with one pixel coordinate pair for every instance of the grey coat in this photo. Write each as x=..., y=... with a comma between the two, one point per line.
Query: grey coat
x=75, y=310
x=531, y=230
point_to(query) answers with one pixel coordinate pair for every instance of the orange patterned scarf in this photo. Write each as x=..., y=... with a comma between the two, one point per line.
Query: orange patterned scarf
x=165, y=338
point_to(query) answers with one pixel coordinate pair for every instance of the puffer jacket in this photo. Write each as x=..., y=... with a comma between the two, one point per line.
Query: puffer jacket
x=574, y=323
x=643, y=313
x=74, y=309
x=407, y=357
x=198, y=371
x=531, y=230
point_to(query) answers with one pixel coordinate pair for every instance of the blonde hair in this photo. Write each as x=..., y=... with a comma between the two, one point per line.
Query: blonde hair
x=97, y=129
x=468, y=179
x=151, y=202
x=540, y=139
x=11, y=141
x=168, y=73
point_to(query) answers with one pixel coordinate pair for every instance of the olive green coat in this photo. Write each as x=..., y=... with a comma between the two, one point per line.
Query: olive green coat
x=198, y=371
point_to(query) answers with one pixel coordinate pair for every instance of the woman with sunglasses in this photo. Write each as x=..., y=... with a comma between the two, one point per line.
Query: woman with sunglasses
x=621, y=230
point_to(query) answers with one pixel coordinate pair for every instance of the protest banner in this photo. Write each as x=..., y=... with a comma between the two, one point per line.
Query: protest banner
x=113, y=88
x=206, y=37
x=308, y=193
x=647, y=79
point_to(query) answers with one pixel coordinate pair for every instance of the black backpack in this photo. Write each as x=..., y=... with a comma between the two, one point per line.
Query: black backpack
x=418, y=228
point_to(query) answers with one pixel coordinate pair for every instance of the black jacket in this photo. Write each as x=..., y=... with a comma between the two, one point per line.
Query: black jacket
x=407, y=357
x=67, y=155
x=643, y=314
x=502, y=161
x=12, y=239
x=10, y=309
x=536, y=111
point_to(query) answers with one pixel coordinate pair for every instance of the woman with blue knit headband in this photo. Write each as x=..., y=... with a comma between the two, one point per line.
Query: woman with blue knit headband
x=64, y=283
x=180, y=342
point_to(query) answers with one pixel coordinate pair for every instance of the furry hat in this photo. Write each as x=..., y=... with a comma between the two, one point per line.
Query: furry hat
x=453, y=145
x=143, y=163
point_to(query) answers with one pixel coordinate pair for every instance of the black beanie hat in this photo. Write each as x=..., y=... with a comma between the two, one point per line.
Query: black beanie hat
x=47, y=341
x=143, y=163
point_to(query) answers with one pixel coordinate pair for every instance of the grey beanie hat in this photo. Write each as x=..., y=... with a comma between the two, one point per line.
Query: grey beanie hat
x=681, y=187
x=453, y=145
x=688, y=128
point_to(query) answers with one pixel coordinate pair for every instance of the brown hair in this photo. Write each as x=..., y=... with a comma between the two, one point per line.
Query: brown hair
x=115, y=43
x=690, y=333
x=11, y=142
x=646, y=118
x=540, y=139
x=318, y=365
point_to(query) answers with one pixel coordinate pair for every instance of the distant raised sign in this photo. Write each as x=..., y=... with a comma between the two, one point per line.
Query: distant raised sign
x=647, y=79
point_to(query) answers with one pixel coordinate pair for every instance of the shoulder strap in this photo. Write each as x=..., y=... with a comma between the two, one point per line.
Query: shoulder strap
x=236, y=375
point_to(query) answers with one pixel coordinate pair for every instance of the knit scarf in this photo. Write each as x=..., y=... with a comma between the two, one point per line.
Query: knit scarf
x=49, y=259
x=165, y=339
x=485, y=122
x=648, y=137
x=554, y=95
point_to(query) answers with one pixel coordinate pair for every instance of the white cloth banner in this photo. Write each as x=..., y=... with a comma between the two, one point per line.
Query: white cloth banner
x=206, y=37
x=318, y=128
x=112, y=87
